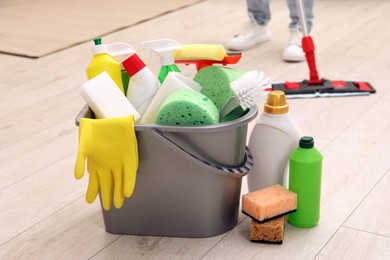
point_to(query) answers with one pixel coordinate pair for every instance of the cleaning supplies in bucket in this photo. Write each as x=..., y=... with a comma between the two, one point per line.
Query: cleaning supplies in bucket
x=273, y=138
x=192, y=139
x=102, y=61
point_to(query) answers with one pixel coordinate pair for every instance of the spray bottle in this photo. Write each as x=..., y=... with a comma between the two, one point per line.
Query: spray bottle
x=305, y=181
x=143, y=84
x=102, y=61
x=273, y=138
x=165, y=48
x=121, y=51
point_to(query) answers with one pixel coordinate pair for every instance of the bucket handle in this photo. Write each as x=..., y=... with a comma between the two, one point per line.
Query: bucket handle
x=235, y=171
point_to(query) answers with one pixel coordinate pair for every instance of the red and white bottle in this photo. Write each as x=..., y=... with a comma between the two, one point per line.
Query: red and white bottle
x=143, y=84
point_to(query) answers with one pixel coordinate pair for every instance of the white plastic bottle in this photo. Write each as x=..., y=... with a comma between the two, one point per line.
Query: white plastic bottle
x=273, y=138
x=143, y=84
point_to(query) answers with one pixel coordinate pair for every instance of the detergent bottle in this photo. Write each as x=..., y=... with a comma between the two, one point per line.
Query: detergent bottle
x=272, y=140
x=143, y=85
x=165, y=48
x=102, y=61
x=120, y=51
x=305, y=181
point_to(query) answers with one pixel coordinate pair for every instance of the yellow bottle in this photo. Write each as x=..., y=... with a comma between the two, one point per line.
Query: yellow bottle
x=102, y=61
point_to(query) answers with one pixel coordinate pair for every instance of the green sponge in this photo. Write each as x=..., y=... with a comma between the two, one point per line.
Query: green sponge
x=187, y=107
x=215, y=81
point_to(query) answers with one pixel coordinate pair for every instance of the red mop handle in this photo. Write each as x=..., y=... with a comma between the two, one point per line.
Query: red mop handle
x=308, y=48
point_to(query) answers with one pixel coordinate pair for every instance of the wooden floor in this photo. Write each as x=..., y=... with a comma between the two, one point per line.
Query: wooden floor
x=43, y=213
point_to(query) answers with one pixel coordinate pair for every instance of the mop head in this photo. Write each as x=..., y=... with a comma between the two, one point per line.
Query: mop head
x=215, y=81
x=327, y=88
x=187, y=108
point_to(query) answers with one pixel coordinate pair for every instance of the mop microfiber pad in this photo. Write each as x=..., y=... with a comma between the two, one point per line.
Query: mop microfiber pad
x=215, y=81
x=269, y=203
x=271, y=232
x=200, y=52
x=187, y=107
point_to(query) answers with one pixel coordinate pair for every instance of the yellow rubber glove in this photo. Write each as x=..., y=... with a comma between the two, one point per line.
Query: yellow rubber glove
x=110, y=148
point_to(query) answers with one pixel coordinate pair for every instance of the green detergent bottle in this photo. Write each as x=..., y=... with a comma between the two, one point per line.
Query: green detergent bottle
x=305, y=181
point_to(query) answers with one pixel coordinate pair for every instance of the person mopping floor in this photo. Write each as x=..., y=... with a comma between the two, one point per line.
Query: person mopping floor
x=256, y=32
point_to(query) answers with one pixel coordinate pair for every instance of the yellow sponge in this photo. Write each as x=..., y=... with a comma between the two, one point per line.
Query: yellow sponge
x=200, y=52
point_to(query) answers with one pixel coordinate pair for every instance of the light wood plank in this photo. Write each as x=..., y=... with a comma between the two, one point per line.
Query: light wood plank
x=37, y=33
x=76, y=232
x=36, y=197
x=354, y=244
x=372, y=214
x=38, y=152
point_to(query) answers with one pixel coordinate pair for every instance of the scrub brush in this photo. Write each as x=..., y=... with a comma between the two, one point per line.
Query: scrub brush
x=248, y=89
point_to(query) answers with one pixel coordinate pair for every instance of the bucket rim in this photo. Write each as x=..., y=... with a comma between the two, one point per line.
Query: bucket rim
x=243, y=120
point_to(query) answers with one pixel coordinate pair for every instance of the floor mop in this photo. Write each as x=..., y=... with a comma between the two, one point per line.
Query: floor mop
x=316, y=86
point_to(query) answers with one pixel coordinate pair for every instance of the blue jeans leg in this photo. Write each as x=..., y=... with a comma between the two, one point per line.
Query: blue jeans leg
x=260, y=12
x=294, y=15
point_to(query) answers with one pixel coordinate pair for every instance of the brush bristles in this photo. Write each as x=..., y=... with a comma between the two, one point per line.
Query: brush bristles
x=250, y=88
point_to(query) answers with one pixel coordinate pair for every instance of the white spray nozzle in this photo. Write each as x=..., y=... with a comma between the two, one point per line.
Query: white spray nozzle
x=164, y=47
x=120, y=51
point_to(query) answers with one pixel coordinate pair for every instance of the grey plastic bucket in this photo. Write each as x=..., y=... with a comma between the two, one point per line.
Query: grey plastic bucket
x=188, y=181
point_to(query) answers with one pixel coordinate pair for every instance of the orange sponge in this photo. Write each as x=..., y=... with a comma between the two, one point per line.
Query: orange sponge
x=269, y=203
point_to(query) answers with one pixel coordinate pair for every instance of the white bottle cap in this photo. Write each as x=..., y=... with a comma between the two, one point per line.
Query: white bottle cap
x=99, y=48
